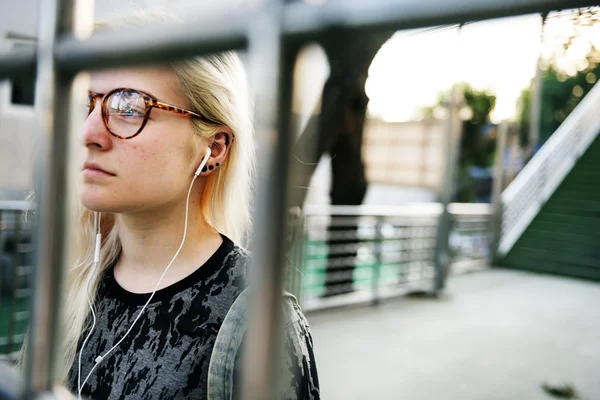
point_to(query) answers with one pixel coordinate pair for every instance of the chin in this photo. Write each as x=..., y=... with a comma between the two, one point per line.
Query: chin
x=96, y=201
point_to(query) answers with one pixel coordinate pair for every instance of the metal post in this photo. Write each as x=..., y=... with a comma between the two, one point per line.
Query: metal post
x=272, y=71
x=302, y=243
x=536, y=99
x=378, y=259
x=43, y=364
x=497, y=189
x=17, y=262
x=294, y=233
x=451, y=146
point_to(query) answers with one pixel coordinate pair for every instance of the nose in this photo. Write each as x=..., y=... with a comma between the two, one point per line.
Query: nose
x=95, y=135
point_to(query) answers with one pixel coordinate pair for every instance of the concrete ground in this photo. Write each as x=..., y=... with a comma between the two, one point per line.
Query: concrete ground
x=495, y=334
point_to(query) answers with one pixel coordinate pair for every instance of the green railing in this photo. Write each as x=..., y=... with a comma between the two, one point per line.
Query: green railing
x=348, y=254
x=15, y=276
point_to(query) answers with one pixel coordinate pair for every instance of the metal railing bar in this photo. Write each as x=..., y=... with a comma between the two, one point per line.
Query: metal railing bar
x=272, y=64
x=43, y=361
x=310, y=22
x=13, y=205
x=300, y=22
x=17, y=62
x=14, y=339
x=416, y=210
x=162, y=43
x=407, y=210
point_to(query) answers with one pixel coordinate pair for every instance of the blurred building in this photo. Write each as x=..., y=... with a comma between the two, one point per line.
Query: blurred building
x=18, y=26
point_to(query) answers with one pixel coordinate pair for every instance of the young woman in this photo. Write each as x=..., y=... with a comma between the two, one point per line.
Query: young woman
x=165, y=191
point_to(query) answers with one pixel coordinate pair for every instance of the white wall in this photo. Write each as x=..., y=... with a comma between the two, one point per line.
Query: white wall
x=16, y=122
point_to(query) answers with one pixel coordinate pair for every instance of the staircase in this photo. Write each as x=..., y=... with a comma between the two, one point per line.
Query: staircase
x=551, y=212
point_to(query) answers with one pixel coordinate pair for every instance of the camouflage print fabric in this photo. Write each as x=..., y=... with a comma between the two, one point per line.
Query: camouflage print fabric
x=167, y=354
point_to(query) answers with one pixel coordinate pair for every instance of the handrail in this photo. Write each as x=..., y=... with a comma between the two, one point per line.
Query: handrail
x=14, y=205
x=524, y=197
x=365, y=253
x=401, y=210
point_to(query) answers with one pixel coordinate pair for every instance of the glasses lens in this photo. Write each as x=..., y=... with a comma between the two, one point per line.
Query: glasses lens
x=125, y=111
x=90, y=103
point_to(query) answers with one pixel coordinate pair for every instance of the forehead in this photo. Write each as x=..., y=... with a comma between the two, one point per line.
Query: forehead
x=157, y=81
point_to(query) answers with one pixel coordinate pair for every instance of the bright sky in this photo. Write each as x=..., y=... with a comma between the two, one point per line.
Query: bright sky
x=500, y=55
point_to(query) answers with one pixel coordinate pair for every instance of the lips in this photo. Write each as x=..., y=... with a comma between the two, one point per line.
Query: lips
x=92, y=166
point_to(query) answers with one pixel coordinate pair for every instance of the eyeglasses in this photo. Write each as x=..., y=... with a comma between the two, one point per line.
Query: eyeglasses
x=125, y=112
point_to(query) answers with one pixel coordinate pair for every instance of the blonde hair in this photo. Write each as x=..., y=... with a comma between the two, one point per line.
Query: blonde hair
x=216, y=87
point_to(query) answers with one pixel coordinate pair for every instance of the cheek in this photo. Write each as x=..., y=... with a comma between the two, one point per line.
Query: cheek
x=157, y=161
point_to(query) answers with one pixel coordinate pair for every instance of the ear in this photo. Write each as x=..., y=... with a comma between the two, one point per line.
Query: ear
x=219, y=145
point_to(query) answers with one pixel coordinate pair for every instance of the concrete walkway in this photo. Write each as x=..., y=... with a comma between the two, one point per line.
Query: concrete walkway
x=495, y=334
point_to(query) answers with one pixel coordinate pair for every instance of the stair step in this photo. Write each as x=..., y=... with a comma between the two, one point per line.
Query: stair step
x=568, y=227
x=577, y=191
x=572, y=210
x=562, y=218
x=574, y=202
x=555, y=268
x=555, y=248
x=525, y=255
x=555, y=238
x=561, y=256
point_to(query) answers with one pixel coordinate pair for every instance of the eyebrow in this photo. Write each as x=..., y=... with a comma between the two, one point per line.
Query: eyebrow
x=139, y=90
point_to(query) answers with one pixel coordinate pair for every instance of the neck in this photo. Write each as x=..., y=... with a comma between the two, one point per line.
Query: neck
x=151, y=238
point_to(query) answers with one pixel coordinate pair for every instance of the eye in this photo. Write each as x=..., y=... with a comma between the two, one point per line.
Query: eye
x=90, y=103
x=127, y=104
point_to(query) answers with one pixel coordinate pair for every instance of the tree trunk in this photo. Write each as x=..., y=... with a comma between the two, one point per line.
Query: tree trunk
x=338, y=131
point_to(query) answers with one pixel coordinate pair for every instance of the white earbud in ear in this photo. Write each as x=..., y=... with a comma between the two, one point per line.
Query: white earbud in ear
x=204, y=161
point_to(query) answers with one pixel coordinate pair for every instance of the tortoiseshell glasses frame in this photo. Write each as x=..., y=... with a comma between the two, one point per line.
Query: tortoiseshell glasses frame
x=124, y=108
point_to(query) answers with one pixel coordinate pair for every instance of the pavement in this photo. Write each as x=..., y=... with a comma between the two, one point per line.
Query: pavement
x=494, y=334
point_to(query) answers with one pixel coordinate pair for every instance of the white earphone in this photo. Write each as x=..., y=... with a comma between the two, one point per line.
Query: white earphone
x=204, y=161
x=97, y=260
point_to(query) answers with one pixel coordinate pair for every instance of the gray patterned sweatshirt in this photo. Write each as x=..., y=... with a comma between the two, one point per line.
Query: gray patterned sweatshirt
x=167, y=354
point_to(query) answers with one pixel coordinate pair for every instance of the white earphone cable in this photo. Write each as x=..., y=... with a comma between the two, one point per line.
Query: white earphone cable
x=99, y=359
x=87, y=289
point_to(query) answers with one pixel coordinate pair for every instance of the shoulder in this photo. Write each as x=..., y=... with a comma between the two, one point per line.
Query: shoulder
x=299, y=367
x=298, y=370
x=230, y=270
x=237, y=258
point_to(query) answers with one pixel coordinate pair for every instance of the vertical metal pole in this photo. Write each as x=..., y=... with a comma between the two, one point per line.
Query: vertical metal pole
x=53, y=102
x=497, y=189
x=272, y=70
x=17, y=262
x=378, y=259
x=295, y=215
x=451, y=147
x=302, y=243
x=536, y=100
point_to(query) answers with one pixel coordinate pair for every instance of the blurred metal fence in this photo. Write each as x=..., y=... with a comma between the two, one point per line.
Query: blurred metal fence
x=349, y=254
x=15, y=276
x=273, y=35
x=340, y=255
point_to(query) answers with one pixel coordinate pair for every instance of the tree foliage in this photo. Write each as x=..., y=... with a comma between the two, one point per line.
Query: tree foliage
x=562, y=89
x=476, y=147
